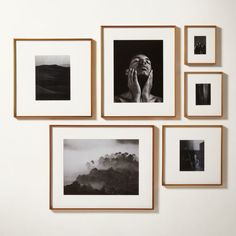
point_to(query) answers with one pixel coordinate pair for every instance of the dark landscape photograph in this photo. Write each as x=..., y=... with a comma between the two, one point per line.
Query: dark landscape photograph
x=101, y=167
x=200, y=45
x=191, y=155
x=52, y=77
x=203, y=94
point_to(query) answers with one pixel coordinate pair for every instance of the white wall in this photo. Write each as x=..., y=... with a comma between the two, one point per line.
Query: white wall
x=24, y=146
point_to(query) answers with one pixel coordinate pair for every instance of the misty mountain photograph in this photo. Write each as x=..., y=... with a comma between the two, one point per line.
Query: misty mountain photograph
x=52, y=77
x=101, y=167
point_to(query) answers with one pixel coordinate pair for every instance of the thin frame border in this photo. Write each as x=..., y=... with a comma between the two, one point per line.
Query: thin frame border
x=102, y=70
x=164, y=127
x=96, y=126
x=15, y=77
x=186, y=27
x=186, y=95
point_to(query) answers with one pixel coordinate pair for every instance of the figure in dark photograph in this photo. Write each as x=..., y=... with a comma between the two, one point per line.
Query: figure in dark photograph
x=191, y=155
x=203, y=94
x=200, y=45
x=52, y=77
x=140, y=77
x=101, y=167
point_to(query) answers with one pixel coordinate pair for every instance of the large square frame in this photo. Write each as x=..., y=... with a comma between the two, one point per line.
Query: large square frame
x=80, y=104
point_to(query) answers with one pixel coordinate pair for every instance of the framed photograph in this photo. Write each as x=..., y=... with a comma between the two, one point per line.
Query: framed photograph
x=138, y=71
x=52, y=78
x=203, y=94
x=101, y=167
x=192, y=155
x=200, y=45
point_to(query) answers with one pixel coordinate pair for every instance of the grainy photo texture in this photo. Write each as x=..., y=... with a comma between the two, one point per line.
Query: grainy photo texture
x=200, y=45
x=52, y=77
x=191, y=155
x=138, y=70
x=101, y=167
x=203, y=94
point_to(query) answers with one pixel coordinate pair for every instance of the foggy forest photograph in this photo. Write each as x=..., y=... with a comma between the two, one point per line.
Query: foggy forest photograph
x=101, y=166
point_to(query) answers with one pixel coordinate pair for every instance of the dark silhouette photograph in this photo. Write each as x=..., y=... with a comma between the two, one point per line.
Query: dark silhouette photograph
x=200, y=45
x=52, y=77
x=101, y=167
x=203, y=94
x=138, y=71
x=191, y=155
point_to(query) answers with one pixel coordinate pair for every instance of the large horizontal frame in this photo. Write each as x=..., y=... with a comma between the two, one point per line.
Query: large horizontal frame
x=95, y=126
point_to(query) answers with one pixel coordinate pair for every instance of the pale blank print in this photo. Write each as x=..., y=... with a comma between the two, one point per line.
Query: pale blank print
x=101, y=167
x=52, y=77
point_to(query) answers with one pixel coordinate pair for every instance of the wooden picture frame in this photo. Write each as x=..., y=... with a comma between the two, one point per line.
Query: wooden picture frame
x=51, y=78
x=122, y=45
x=79, y=153
x=192, y=155
x=203, y=95
x=200, y=45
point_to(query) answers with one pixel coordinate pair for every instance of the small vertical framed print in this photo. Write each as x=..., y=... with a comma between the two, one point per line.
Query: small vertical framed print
x=203, y=94
x=192, y=155
x=200, y=45
x=101, y=167
x=52, y=78
x=138, y=71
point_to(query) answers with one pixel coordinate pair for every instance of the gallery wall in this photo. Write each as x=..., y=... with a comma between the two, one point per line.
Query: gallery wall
x=24, y=144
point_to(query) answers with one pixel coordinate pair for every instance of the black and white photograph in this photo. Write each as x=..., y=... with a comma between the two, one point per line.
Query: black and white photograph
x=200, y=45
x=191, y=155
x=138, y=71
x=52, y=77
x=203, y=94
x=101, y=166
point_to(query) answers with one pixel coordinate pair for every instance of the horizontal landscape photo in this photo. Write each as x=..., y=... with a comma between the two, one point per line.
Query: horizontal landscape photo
x=101, y=167
x=52, y=77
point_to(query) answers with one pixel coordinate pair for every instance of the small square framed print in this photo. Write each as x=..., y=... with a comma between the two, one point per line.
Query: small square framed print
x=192, y=155
x=52, y=78
x=200, y=45
x=203, y=94
x=138, y=71
x=101, y=167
